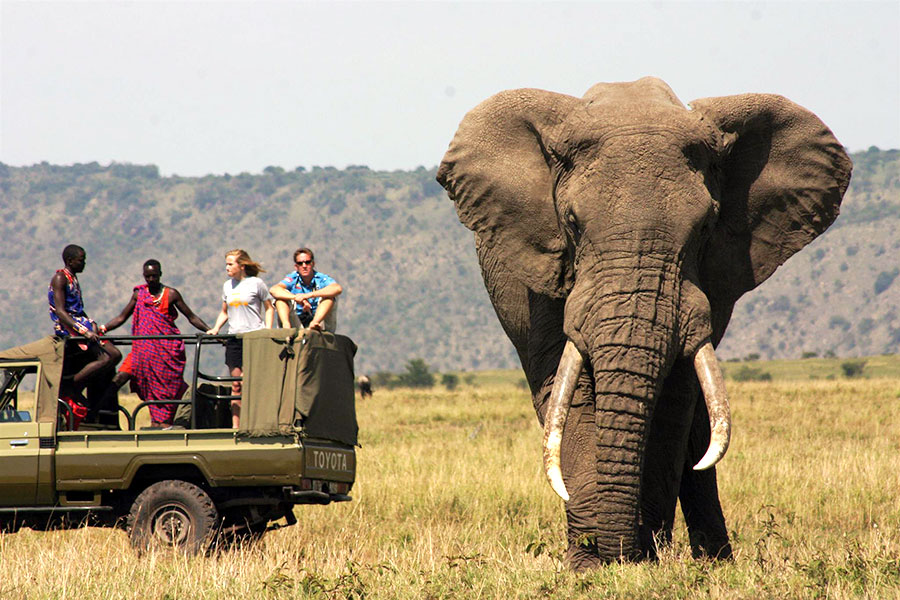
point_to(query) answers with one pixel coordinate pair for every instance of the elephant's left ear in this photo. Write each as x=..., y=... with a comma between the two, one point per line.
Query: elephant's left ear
x=783, y=175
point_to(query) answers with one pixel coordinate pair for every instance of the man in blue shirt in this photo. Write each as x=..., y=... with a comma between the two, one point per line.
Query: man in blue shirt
x=314, y=295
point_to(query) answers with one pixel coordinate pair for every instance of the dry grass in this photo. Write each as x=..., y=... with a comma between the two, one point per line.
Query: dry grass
x=450, y=503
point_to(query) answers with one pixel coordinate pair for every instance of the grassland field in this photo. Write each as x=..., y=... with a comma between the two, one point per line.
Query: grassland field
x=450, y=502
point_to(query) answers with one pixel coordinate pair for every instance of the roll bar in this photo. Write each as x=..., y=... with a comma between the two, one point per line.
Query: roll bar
x=197, y=340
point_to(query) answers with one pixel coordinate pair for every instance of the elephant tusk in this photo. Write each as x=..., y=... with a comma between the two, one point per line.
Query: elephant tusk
x=713, y=385
x=555, y=418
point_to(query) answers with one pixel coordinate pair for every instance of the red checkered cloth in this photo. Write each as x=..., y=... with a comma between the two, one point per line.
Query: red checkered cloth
x=156, y=366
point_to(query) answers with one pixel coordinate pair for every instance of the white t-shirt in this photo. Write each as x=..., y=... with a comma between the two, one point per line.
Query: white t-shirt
x=244, y=300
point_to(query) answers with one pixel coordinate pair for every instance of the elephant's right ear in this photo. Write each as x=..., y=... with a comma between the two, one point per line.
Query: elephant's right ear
x=498, y=172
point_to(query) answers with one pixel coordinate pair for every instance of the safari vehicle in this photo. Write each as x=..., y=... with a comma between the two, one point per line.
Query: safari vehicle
x=192, y=485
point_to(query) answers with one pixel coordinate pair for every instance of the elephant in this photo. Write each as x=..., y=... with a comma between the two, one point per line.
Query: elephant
x=615, y=232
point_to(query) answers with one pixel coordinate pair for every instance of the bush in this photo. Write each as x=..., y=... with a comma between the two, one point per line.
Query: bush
x=746, y=373
x=450, y=381
x=838, y=322
x=865, y=326
x=752, y=356
x=417, y=375
x=385, y=380
x=809, y=355
x=781, y=304
x=885, y=279
x=853, y=368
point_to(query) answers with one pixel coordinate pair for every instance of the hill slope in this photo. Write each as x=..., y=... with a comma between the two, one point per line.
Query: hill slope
x=413, y=287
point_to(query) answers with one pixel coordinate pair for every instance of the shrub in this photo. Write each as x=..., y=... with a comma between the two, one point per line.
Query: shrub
x=781, y=304
x=746, y=373
x=384, y=379
x=853, y=368
x=450, y=381
x=752, y=356
x=865, y=326
x=417, y=375
x=838, y=322
x=885, y=279
x=809, y=355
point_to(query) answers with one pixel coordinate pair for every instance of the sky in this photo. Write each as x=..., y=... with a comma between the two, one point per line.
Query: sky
x=201, y=88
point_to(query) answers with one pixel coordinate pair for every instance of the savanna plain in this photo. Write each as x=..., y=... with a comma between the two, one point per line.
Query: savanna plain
x=450, y=502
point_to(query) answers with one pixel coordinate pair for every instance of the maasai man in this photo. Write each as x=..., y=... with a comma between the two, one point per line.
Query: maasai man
x=88, y=364
x=155, y=367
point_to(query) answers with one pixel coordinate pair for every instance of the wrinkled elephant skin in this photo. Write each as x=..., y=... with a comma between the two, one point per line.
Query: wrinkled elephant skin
x=625, y=226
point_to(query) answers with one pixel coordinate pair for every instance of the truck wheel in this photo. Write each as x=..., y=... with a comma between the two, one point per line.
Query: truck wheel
x=172, y=514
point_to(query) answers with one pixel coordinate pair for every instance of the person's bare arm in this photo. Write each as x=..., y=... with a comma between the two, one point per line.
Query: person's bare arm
x=279, y=291
x=329, y=292
x=58, y=285
x=182, y=306
x=122, y=316
x=220, y=320
x=270, y=314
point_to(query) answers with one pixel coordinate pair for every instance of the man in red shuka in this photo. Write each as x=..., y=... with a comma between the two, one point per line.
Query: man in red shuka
x=155, y=367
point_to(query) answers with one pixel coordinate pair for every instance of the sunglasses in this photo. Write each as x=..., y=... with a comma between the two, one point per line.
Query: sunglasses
x=300, y=263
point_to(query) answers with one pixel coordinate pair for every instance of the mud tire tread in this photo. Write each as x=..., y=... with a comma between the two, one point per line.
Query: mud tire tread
x=190, y=498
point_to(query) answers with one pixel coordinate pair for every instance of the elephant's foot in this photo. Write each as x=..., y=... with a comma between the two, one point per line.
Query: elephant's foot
x=652, y=540
x=584, y=553
x=583, y=557
x=704, y=547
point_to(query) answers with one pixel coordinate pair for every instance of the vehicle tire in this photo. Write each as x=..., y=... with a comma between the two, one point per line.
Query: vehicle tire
x=173, y=514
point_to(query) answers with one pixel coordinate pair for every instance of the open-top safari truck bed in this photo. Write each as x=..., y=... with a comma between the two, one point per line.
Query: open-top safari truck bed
x=187, y=485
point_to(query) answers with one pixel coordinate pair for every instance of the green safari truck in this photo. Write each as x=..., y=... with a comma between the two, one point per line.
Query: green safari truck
x=200, y=482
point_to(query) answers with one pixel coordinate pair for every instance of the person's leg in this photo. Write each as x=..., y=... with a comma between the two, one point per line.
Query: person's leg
x=283, y=307
x=234, y=359
x=124, y=373
x=104, y=355
x=102, y=392
x=325, y=306
x=236, y=404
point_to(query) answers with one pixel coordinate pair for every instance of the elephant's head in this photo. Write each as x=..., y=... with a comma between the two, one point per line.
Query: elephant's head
x=650, y=220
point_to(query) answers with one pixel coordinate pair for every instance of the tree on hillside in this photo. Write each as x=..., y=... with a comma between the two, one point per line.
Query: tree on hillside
x=417, y=374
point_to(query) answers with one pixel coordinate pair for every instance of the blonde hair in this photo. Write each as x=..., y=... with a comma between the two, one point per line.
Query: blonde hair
x=251, y=267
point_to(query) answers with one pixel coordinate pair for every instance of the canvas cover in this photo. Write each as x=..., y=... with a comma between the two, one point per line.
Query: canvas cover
x=299, y=379
x=49, y=351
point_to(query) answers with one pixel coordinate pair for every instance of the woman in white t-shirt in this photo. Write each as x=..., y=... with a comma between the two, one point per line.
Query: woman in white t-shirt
x=245, y=299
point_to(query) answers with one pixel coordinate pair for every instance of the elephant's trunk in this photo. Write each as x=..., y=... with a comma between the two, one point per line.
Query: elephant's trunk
x=712, y=382
x=628, y=381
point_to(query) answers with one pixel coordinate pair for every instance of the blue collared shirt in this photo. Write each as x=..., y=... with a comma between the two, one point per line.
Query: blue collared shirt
x=295, y=285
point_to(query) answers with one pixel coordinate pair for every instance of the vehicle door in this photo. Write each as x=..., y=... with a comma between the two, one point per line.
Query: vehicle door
x=19, y=438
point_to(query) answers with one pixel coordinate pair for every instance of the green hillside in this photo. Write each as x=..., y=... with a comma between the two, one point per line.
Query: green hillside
x=412, y=283
x=413, y=288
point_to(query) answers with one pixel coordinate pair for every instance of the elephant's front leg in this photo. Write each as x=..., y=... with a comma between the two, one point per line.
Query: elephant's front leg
x=679, y=437
x=699, y=495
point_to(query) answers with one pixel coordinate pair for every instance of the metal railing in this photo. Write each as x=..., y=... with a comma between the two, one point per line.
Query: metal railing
x=197, y=340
